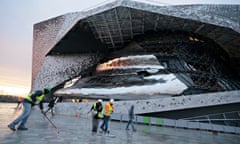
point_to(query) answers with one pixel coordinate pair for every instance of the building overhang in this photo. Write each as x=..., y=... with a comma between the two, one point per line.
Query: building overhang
x=114, y=24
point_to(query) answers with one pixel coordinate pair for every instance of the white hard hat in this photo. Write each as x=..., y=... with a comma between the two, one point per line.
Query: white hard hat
x=111, y=100
x=99, y=100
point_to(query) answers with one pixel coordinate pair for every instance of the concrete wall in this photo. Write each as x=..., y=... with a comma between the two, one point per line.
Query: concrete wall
x=157, y=105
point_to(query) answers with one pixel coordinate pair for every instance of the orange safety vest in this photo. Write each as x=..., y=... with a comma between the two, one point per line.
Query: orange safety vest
x=108, y=109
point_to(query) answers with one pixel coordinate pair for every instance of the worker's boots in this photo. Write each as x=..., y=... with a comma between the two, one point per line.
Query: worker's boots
x=22, y=128
x=11, y=127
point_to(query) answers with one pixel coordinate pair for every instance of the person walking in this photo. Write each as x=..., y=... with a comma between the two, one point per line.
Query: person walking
x=131, y=117
x=108, y=110
x=96, y=110
x=33, y=98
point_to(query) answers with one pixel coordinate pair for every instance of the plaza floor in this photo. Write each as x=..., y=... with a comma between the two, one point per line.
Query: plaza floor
x=77, y=130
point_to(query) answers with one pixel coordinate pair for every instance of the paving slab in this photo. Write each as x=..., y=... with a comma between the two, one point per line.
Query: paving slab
x=77, y=129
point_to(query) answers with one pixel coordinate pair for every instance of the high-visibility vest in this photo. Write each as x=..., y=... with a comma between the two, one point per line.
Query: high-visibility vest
x=108, y=109
x=95, y=106
x=38, y=98
x=99, y=114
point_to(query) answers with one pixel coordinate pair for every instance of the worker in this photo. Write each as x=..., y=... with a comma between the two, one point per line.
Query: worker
x=33, y=98
x=131, y=117
x=96, y=110
x=108, y=110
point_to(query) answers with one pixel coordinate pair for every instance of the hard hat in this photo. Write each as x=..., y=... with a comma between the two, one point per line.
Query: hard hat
x=47, y=88
x=99, y=100
x=111, y=100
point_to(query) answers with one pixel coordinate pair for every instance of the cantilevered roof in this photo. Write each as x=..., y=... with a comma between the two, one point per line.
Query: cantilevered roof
x=114, y=24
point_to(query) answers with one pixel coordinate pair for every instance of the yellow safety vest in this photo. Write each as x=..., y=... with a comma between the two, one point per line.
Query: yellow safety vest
x=38, y=98
x=94, y=106
x=99, y=114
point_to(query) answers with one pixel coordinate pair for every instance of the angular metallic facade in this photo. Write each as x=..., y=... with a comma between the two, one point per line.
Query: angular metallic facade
x=198, y=43
x=114, y=24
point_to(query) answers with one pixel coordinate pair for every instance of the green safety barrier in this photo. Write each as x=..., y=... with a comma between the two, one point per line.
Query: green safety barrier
x=146, y=119
x=159, y=121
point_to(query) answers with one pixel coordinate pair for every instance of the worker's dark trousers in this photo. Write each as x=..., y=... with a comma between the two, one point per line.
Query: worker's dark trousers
x=95, y=123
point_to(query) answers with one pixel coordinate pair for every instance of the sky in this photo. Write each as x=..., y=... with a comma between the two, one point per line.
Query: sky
x=16, y=34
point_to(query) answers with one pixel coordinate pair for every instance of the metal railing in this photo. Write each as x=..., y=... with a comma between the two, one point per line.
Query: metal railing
x=186, y=124
x=228, y=118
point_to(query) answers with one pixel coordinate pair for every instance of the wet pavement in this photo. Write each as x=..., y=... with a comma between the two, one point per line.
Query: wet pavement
x=77, y=130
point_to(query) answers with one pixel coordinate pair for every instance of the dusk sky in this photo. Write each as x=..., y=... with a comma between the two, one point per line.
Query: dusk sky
x=16, y=34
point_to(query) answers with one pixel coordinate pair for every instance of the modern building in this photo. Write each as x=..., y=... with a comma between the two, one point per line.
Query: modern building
x=183, y=60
